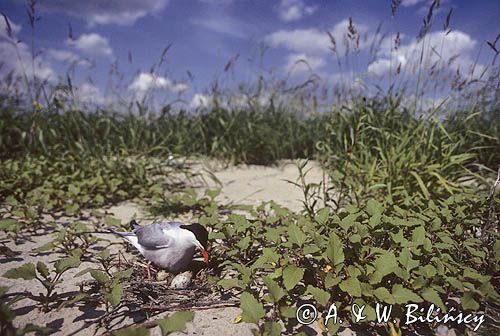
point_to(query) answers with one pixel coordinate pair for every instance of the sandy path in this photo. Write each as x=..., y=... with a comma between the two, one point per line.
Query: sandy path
x=240, y=184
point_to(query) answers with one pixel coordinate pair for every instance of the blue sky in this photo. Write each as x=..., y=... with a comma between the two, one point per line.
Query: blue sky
x=205, y=34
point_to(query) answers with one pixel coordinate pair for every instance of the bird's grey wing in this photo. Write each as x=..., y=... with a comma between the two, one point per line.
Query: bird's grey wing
x=153, y=236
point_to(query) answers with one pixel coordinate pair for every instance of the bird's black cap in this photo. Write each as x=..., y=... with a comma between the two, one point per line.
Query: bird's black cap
x=199, y=232
x=133, y=225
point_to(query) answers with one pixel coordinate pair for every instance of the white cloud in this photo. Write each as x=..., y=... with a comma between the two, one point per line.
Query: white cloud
x=98, y=12
x=302, y=63
x=221, y=25
x=15, y=28
x=300, y=40
x=17, y=61
x=201, y=100
x=67, y=57
x=146, y=81
x=292, y=10
x=408, y=3
x=313, y=40
x=87, y=93
x=439, y=47
x=92, y=44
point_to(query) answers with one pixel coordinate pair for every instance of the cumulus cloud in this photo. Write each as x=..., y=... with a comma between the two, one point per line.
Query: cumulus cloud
x=92, y=44
x=4, y=27
x=98, y=12
x=200, y=100
x=221, y=25
x=299, y=40
x=451, y=51
x=66, y=56
x=313, y=40
x=292, y=10
x=147, y=81
x=409, y=3
x=18, y=64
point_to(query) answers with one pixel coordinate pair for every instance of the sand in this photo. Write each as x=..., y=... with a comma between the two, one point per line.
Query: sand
x=239, y=184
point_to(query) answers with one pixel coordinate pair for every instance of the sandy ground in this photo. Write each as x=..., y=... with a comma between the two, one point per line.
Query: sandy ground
x=240, y=184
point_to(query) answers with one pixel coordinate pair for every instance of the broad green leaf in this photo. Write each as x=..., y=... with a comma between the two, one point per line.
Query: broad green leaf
x=351, y=286
x=115, y=296
x=430, y=295
x=402, y=295
x=275, y=291
x=468, y=302
x=133, y=331
x=42, y=269
x=373, y=207
x=322, y=297
x=62, y=265
x=418, y=235
x=383, y=294
x=101, y=277
x=296, y=235
x=334, y=250
x=26, y=272
x=175, y=322
x=385, y=264
x=272, y=329
x=229, y=283
x=292, y=275
x=252, y=309
x=322, y=215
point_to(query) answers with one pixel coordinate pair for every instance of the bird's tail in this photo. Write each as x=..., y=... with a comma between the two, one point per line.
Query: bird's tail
x=128, y=236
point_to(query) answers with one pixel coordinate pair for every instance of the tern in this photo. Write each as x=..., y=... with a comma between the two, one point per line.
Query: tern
x=168, y=245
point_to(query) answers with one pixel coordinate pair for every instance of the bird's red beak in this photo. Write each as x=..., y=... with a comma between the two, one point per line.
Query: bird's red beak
x=205, y=254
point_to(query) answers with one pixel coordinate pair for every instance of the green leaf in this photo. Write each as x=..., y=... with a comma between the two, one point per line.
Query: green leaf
x=133, y=331
x=175, y=322
x=101, y=277
x=26, y=272
x=385, y=264
x=42, y=269
x=252, y=309
x=373, y=207
x=292, y=275
x=322, y=215
x=468, y=302
x=403, y=295
x=76, y=298
x=275, y=291
x=322, y=297
x=430, y=295
x=272, y=329
x=334, y=250
x=123, y=274
x=418, y=235
x=9, y=224
x=229, y=283
x=383, y=294
x=351, y=286
x=296, y=235
x=62, y=265
x=115, y=296
x=105, y=254
x=46, y=247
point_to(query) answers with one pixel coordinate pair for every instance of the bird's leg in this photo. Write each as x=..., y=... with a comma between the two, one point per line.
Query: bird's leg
x=149, y=270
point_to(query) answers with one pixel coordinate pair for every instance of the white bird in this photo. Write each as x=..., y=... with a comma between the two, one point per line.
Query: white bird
x=168, y=245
